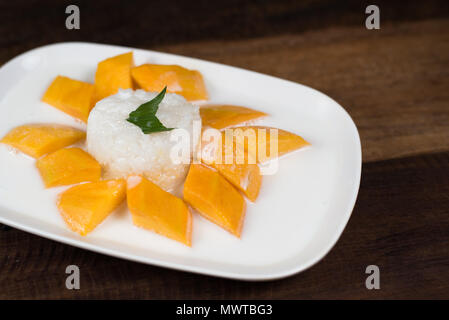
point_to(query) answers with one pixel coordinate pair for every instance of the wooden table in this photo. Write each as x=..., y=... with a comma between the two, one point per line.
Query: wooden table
x=394, y=82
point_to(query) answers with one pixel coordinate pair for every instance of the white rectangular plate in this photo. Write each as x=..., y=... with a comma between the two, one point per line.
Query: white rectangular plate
x=299, y=215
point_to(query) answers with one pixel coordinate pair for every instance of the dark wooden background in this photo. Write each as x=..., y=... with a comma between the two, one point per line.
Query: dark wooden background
x=394, y=82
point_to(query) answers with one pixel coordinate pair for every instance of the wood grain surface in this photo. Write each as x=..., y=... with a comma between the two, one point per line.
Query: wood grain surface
x=394, y=82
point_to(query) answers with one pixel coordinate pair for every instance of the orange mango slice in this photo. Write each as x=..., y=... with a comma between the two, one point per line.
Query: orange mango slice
x=70, y=96
x=155, y=209
x=68, y=166
x=242, y=173
x=245, y=177
x=154, y=77
x=86, y=205
x=223, y=116
x=112, y=74
x=215, y=198
x=286, y=141
x=36, y=140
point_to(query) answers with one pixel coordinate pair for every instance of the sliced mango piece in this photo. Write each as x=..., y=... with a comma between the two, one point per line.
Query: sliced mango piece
x=286, y=141
x=86, y=205
x=38, y=139
x=154, y=77
x=70, y=96
x=215, y=198
x=155, y=209
x=242, y=173
x=112, y=74
x=245, y=177
x=223, y=116
x=68, y=166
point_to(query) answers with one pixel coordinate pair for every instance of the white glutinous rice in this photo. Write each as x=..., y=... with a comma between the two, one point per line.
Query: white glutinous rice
x=123, y=149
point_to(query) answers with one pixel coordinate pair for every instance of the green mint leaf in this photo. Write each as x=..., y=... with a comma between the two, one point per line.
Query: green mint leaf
x=151, y=106
x=145, y=115
x=149, y=124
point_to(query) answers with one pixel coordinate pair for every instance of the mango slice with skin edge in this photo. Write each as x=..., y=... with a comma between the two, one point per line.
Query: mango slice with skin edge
x=71, y=96
x=215, y=198
x=36, y=140
x=157, y=210
x=113, y=74
x=242, y=173
x=154, y=77
x=68, y=166
x=84, y=206
x=223, y=116
x=255, y=141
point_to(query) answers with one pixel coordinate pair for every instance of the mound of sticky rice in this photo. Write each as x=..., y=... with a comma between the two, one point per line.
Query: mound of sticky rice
x=123, y=149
